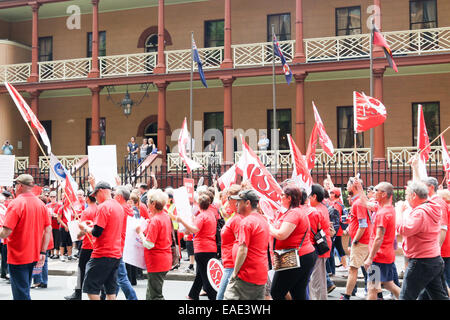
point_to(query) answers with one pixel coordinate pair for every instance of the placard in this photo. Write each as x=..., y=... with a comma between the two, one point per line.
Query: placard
x=133, y=251
x=182, y=204
x=215, y=273
x=103, y=163
x=189, y=184
x=6, y=170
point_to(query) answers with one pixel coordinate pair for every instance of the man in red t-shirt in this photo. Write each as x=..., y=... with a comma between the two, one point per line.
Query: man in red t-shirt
x=54, y=206
x=251, y=264
x=28, y=226
x=379, y=263
x=101, y=269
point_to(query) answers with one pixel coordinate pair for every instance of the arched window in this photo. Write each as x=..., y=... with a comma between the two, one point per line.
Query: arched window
x=151, y=131
x=151, y=44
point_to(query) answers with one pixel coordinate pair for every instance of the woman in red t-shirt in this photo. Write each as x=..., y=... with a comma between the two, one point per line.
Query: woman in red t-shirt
x=157, y=240
x=204, y=226
x=291, y=231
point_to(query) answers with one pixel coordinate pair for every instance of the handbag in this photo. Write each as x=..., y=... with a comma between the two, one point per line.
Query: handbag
x=320, y=242
x=286, y=259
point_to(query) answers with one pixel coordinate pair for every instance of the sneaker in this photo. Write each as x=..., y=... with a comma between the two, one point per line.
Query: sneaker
x=55, y=256
x=344, y=297
x=331, y=288
x=63, y=258
x=189, y=270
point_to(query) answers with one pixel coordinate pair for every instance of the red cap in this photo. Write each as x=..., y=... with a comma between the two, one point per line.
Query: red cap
x=336, y=191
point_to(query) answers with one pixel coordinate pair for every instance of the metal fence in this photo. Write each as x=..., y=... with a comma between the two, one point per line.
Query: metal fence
x=397, y=174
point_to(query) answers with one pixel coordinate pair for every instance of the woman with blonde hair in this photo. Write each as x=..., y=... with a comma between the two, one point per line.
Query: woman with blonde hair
x=157, y=240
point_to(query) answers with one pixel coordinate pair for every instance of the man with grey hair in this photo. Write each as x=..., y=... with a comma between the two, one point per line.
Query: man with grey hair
x=432, y=185
x=420, y=230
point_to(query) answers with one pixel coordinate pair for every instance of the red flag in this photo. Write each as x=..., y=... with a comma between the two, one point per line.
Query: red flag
x=183, y=139
x=28, y=114
x=423, y=142
x=368, y=112
x=324, y=139
x=260, y=178
x=445, y=160
x=69, y=199
x=379, y=40
x=228, y=178
x=300, y=172
x=311, y=151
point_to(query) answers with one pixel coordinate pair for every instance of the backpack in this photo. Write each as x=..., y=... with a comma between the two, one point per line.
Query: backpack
x=344, y=216
x=334, y=218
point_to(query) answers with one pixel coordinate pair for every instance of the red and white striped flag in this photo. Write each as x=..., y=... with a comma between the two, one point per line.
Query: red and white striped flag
x=228, y=178
x=311, y=151
x=69, y=199
x=368, y=112
x=423, y=142
x=445, y=160
x=28, y=114
x=300, y=172
x=324, y=139
x=183, y=139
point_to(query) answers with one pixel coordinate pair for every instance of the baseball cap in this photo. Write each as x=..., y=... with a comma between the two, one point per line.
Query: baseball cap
x=25, y=179
x=246, y=195
x=52, y=194
x=336, y=191
x=100, y=185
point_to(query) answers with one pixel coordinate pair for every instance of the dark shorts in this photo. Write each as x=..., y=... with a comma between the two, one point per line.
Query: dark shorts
x=66, y=240
x=382, y=272
x=56, y=238
x=101, y=272
x=190, y=248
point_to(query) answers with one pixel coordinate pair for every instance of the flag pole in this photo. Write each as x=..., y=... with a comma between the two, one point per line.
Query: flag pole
x=191, y=95
x=355, y=154
x=434, y=140
x=274, y=102
x=371, y=94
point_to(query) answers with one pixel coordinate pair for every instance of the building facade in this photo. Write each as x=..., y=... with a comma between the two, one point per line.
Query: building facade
x=75, y=60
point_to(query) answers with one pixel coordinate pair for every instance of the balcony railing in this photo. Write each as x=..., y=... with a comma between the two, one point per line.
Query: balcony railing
x=407, y=42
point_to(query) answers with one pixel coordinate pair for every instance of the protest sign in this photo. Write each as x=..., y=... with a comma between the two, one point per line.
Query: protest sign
x=103, y=163
x=133, y=251
x=6, y=170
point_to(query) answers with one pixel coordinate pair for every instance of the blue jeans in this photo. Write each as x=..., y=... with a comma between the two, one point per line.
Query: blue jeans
x=123, y=282
x=227, y=272
x=20, y=277
x=43, y=276
x=424, y=274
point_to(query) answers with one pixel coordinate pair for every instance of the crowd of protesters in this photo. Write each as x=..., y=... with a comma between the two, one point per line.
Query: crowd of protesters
x=232, y=226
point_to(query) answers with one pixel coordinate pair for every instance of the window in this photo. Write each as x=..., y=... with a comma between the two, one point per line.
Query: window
x=89, y=131
x=422, y=14
x=284, y=127
x=151, y=132
x=431, y=113
x=282, y=26
x=213, y=127
x=345, y=129
x=46, y=49
x=214, y=33
x=151, y=45
x=348, y=21
x=101, y=44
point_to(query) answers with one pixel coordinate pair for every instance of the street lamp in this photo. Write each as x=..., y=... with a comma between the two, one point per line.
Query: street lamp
x=127, y=103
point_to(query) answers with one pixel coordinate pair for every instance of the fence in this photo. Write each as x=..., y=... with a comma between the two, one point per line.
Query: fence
x=371, y=173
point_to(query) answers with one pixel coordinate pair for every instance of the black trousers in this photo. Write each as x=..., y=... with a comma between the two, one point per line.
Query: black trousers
x=294, y=281
x=85, y=255
x=4, y=264
x=201, y=276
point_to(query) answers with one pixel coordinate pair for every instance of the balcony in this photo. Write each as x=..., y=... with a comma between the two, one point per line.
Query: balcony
x=402, y=43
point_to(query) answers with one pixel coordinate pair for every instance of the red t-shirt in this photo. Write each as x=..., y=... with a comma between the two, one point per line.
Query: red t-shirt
x=159, y=232
x=143, y=211
x=359, y=212
x=109, y=216
x=297, y=216
x=205, y=238
x=254, y=233
x=445, y=221
x=229, y=236
x=54, y=207
x=385, y=217
x=27, y=217
x=128, y=210
x=324, y=220
x=88, y=215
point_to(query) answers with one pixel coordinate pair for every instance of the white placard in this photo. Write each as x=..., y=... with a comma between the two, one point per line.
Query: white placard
x=6, y=170
x=182, y=204
x=74, y=230
x=103, y=163
x=133, y=251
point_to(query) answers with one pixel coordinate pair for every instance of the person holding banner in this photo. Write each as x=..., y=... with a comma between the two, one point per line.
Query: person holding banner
x=204, y=226
x=157, y=241
x=229, y=236
x=28, y=228
x=291, y=230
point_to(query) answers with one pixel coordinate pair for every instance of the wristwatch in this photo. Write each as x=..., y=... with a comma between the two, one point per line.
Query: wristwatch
x=355, y=242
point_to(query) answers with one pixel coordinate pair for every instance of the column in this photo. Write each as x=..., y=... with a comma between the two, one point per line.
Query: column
x=378, y=135
x=299, y=56
x=34, y=148
x=162, y=86
x=300, y=128
x=34, y=76
x=227, y=62
x=95, y=72
x=228, y=145
x=95, y=128
x=161, y=64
